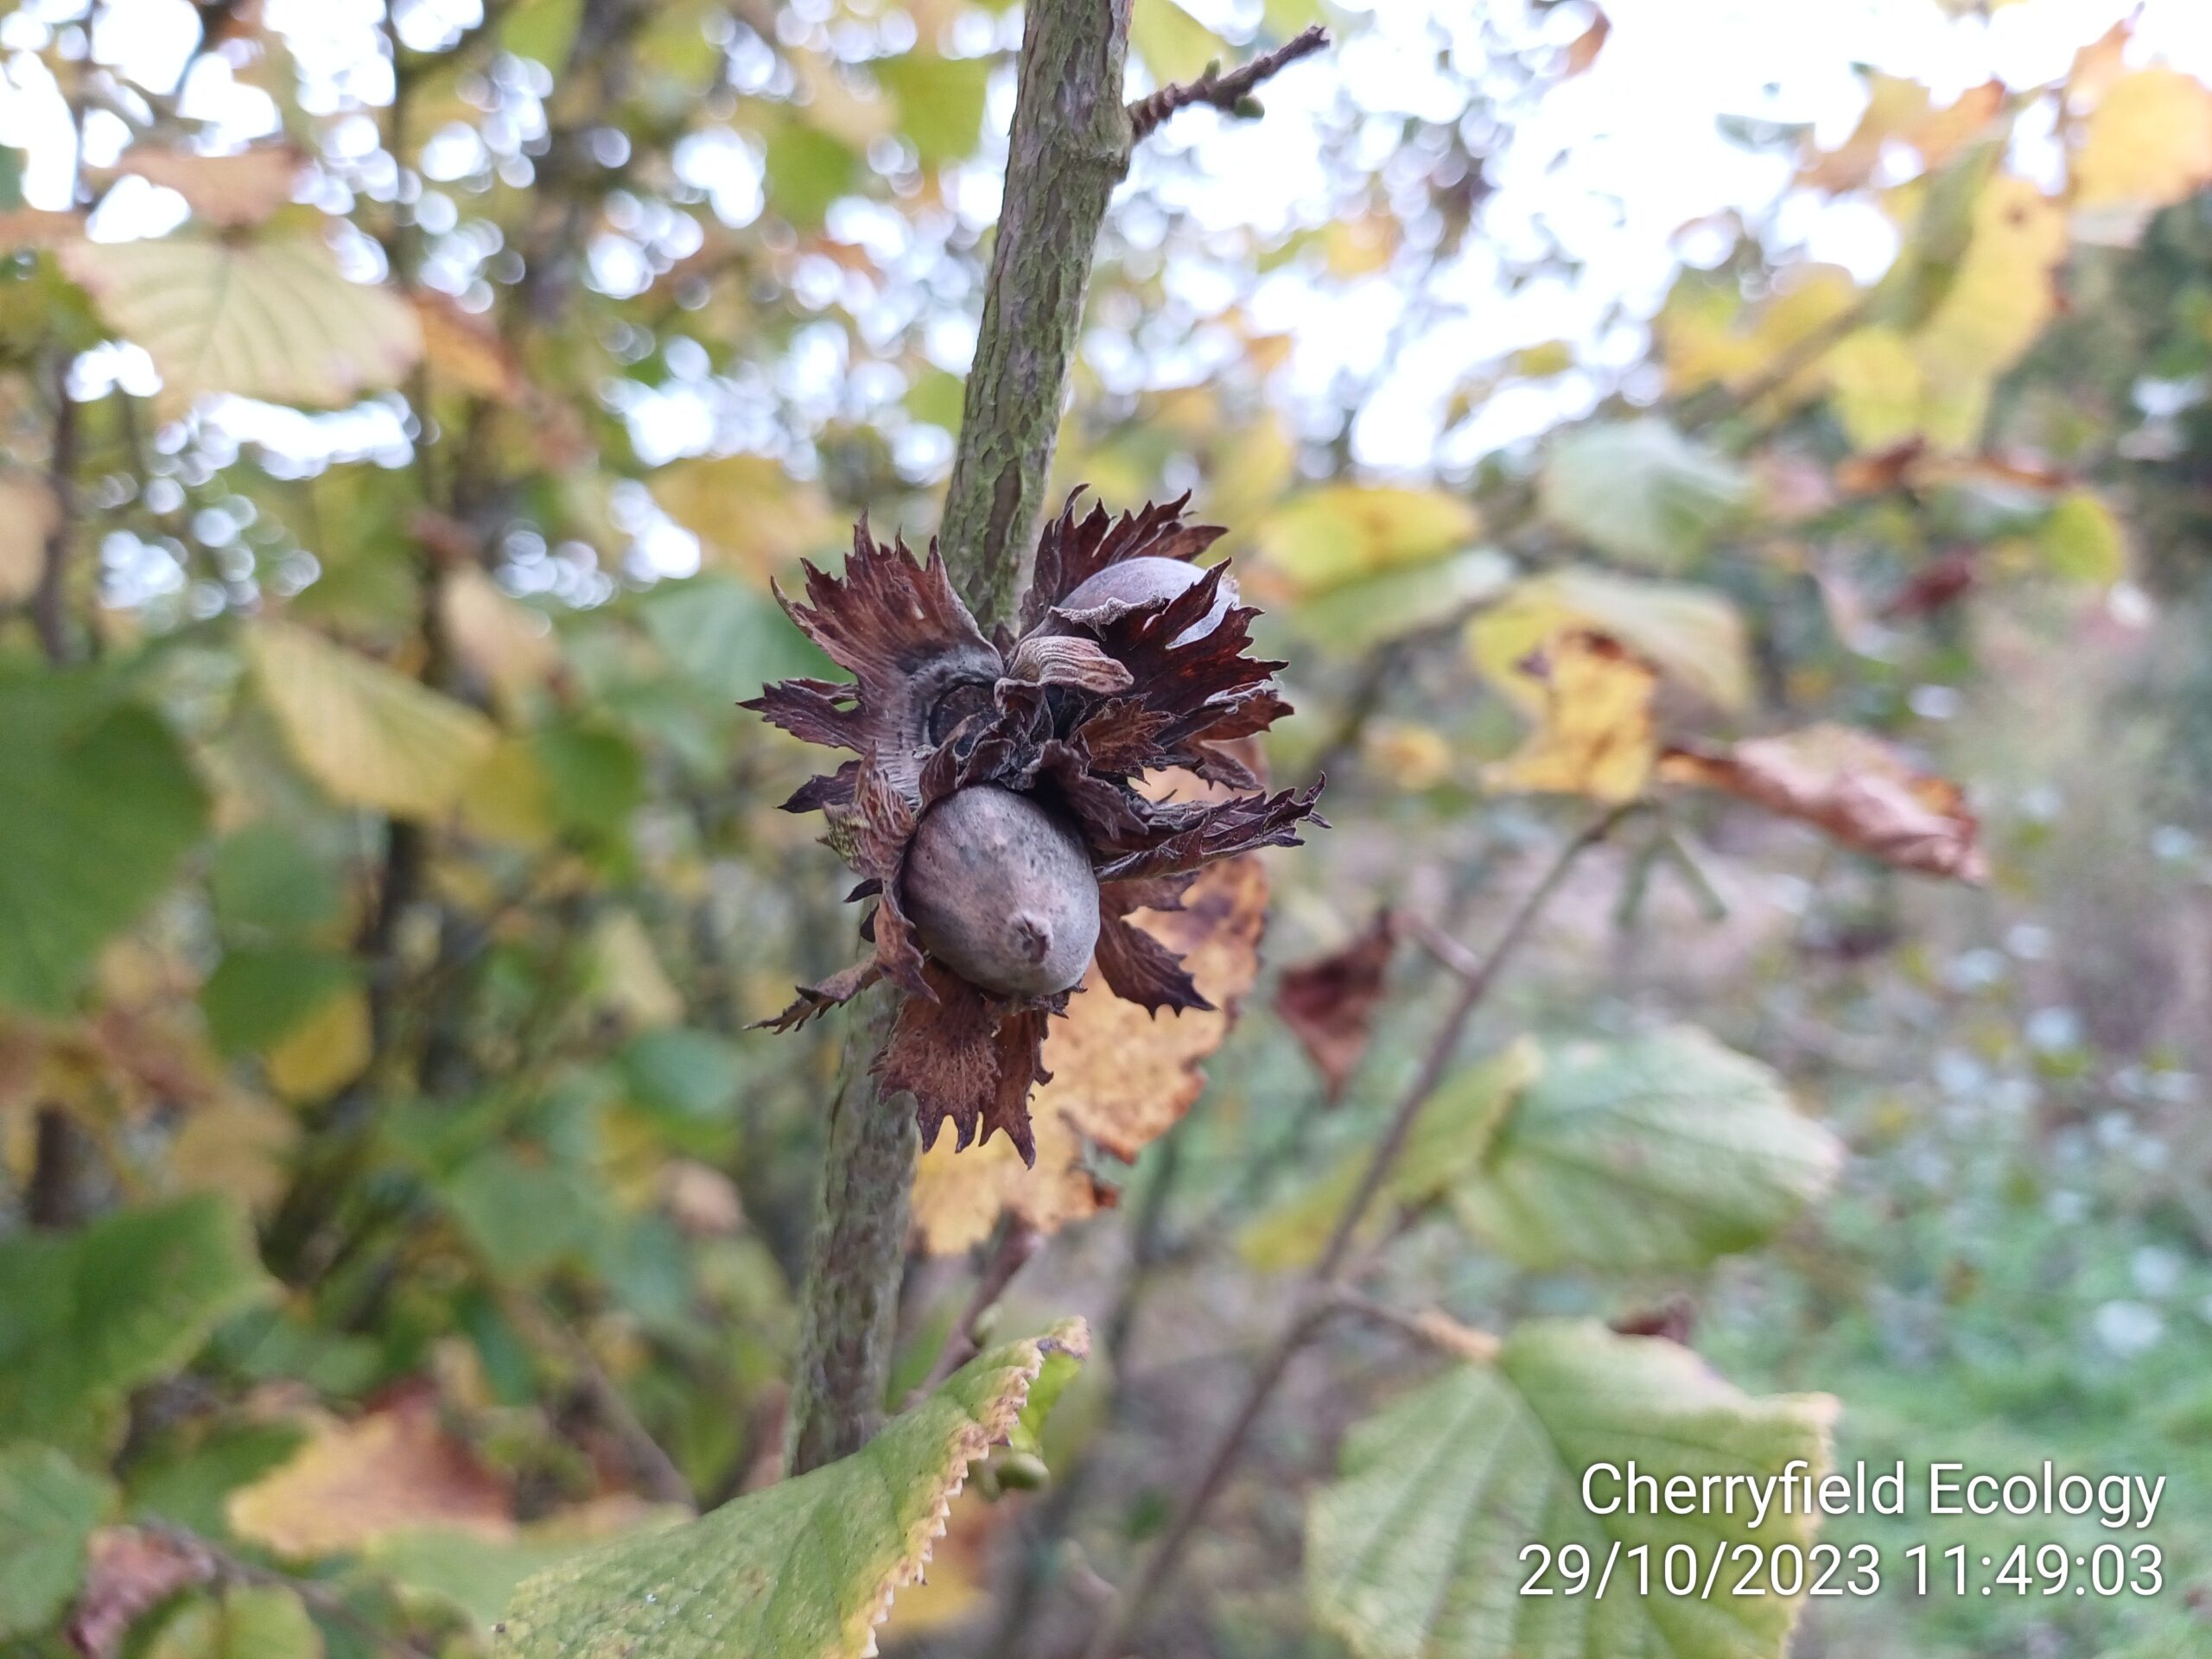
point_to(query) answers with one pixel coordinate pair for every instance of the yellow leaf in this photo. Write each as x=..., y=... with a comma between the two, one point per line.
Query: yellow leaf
x=229, y=191
x=1175, y=44
x=2003, y=292
x=238, y=1143
x=353, y=1483
x=748, y=512
x=1595, y=736
x=1340, y=532
x=1410, y=755
x=507, y=799
x=2148, y=143
x=627, y=977
x=1875, y=382
x=28, y=514
x=272, y=319
x=1250, y=472
x=1691, y=635
x=2082, y=541
x=510, y=645
x=369, y=736
x=1358, y=247
x=1122, y=1076
x=325, y=1052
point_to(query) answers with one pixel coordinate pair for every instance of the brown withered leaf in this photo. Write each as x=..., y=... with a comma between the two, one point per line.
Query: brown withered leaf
x=128, y=1571
x=1583, y=50
x=227, y=191
x=1121, y=1077
x=353, y=1483
x=1850, y=784
x=966, y=1056
x=1329, y=1004
x=469, y=351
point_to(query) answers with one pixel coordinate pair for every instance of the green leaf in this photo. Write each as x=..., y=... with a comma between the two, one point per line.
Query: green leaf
x=467, y=1570
x=1415, y=1551
x=90, y=1315
x=48, y=1508
x=1175, y=44
x=807, y=169
x=803, y=1570
x=262, y=1621
x=101, y=806
x=940, y=103
x=1661, y=1151
x=369, y=735
x=1640, y=491
x=2082, y=541
x=541, y=30
x=525, y=1217
x=1448, y=1140
x=271, y=319
x=594, y=779
x=257, y=995
x=726, y=638
x=268, y=879
x=682, y=1075
x=1352, y=619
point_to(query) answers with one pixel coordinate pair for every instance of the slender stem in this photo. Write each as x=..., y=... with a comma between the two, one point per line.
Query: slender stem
x=547, y=1331
x=1064, y=1498
x=1318, y=1295
x=1069, y=148
x=50, y=600
x=849, y=1319
x=1230, y=93
x=1016, y=1243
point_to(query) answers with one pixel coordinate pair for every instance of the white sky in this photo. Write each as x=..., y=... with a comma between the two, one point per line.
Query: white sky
x=1615, y=163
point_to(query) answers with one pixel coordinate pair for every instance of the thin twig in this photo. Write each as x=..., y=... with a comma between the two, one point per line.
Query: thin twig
x=1017, y=1241
x=323, y=1600
x=50, y=600
x=1230, y=93
x=663, y=1481
x=1040, y=1549
x=1318, y=1296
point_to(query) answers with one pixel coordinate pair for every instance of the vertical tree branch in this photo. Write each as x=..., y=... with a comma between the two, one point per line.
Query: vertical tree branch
x=1070, y=146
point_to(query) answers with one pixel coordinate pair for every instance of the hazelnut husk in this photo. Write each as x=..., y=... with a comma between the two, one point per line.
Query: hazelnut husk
x=992, y=811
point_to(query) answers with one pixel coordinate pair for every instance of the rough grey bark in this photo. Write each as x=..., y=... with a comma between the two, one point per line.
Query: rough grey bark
x=1070, y=148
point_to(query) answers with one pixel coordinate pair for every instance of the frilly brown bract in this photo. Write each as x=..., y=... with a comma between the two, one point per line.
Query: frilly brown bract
x=1072, y=710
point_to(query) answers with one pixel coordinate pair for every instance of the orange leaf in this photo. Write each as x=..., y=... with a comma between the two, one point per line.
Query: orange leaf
x=353, y=1483
x=1849, y=784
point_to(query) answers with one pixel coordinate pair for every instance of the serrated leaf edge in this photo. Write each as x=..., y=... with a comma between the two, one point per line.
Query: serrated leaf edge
x=971, y=1443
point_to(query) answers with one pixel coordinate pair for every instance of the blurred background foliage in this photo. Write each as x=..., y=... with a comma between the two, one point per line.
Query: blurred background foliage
x=402, y=417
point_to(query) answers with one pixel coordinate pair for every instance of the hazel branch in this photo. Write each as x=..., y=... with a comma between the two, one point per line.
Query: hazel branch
x=1017, y=1241
x=1230, y=93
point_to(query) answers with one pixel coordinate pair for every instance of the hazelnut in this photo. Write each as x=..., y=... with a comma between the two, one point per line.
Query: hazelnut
x=1000, y=889
x=1147, y=578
